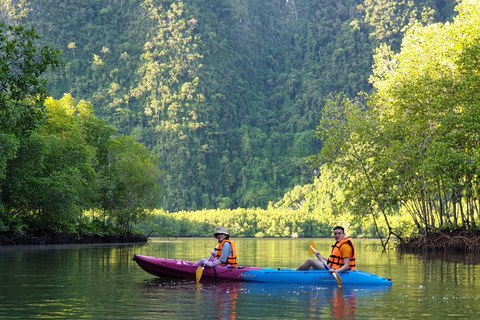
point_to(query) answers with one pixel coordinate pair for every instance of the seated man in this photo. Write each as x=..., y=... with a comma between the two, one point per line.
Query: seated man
x=342, y=257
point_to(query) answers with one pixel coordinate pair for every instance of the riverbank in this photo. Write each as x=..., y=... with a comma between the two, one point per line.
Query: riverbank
x=11, y=238
x=441, y=241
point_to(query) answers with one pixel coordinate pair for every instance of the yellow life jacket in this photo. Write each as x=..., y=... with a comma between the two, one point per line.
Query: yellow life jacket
x=232, y=260
x=335, y=261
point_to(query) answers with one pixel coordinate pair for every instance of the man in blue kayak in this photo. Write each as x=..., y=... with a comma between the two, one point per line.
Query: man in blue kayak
x=224, y=254
x=341, y=259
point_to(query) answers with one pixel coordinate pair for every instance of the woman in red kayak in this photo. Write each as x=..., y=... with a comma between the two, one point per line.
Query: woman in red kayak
x=224, y=254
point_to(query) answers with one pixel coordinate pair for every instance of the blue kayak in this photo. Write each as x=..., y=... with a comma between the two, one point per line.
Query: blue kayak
x=163, y=267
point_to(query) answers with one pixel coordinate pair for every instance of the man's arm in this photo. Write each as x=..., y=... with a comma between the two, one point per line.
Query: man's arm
x=346, y=265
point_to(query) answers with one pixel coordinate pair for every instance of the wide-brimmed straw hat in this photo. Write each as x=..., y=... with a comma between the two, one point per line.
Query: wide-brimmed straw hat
x=221, y=230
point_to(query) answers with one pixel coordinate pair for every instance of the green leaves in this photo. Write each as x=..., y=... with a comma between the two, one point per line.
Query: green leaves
x=71, y=165
x=129, y=182
x=170, y=71
x=189, y=78
x=22, y=88
x=417, y=143
x=22, y=63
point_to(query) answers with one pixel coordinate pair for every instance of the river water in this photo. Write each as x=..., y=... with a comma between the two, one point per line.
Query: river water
x=102, y=282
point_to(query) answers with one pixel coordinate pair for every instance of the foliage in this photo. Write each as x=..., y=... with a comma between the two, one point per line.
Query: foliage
x=22, y=90
x=390, y=19
x=129, y=182
x=311, y=210
x=256, y=222
x=169, y=73
x=440, y=156
x=414, y=148
x=72, y=164
x=226, y=93
x=47, y=182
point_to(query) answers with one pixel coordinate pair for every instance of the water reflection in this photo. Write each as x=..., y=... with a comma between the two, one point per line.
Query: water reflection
x=232, y=300
x=344, y=303
x=457, y=257
x=102, y=282
x=225, y=297
x=444, y=268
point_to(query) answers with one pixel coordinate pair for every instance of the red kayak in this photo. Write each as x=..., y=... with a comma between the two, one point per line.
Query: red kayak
x=162, y=267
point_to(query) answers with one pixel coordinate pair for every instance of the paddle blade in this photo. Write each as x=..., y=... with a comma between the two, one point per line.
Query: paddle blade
x=311, y=248
x=198, y=273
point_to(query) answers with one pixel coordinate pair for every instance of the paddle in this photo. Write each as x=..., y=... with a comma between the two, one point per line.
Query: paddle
x=313, y=250
x=199, y=272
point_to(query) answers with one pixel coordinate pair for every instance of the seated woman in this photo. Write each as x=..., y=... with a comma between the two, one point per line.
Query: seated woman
x=224, y=254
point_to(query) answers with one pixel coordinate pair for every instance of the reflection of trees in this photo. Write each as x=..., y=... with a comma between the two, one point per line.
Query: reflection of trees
x=450, y=267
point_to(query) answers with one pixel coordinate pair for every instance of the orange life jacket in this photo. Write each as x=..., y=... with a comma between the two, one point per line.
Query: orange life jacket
x=335, y=261
x=232, y=260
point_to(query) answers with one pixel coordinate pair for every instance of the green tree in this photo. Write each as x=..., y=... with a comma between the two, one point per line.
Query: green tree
x=51, y=179
x=423, y=89
x=129, y=182
x=22, y=92
x=391, y=19
x=354, y=150
x=22, y=89
x=72, y=165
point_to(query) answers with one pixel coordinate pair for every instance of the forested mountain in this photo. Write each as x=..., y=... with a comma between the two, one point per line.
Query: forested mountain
x=227, y=93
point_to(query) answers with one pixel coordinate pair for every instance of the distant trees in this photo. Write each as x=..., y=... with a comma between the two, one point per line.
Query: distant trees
x=169, y=74
x=390, y=20
x=226, y=93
